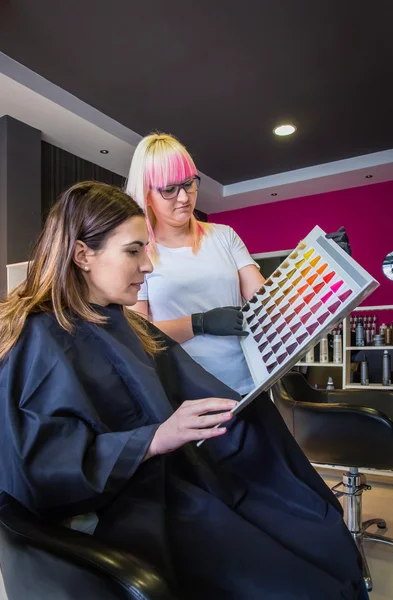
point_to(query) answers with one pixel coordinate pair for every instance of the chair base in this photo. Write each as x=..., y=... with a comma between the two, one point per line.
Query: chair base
x=354, y=484
x=364, y=536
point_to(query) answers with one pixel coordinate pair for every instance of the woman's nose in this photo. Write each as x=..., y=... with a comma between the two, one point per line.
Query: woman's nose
x=146, y=264
x=182, y=196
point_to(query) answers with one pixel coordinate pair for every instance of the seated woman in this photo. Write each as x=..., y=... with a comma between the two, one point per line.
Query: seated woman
x=99, y=414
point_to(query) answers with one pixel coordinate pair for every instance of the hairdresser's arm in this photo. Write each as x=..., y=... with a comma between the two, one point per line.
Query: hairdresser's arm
x=250, y=280
x=221, y=321
x=179, y=330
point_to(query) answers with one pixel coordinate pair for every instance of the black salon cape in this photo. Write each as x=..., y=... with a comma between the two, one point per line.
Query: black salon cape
x=243, y=517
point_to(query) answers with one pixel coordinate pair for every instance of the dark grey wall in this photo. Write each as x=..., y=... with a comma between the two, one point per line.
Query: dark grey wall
x=61, y=169
x=20, y=192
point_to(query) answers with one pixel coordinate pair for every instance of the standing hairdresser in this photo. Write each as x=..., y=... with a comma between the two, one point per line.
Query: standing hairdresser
x=202, y=272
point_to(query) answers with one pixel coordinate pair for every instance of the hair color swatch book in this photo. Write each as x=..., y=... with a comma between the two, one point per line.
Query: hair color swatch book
x=311, y=291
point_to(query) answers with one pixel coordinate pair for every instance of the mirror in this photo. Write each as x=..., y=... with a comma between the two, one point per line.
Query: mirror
x=387, y=266
x=269, y=263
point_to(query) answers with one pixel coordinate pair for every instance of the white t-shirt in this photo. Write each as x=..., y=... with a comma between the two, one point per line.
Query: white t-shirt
x=184, y=283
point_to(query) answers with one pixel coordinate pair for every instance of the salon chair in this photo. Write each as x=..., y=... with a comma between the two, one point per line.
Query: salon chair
x=43, y=561
x=342, y=427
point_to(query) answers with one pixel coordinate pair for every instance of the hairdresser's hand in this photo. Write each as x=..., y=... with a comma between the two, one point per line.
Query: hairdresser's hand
x=219, y=321
x=191, y=423
x=341, y=238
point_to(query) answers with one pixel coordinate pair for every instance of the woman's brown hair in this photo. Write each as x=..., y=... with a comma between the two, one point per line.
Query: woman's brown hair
x=88, y=211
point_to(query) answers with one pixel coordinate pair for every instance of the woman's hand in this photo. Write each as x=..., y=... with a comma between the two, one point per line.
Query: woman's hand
x=191, y=423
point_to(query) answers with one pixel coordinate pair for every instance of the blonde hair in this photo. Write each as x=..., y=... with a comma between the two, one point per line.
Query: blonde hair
x=88, y=211
x=158, y=160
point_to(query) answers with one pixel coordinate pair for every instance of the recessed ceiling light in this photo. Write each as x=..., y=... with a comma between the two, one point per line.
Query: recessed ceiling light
x=284, y=129
x=104, y=151
x=274, y=194
x=369, y=176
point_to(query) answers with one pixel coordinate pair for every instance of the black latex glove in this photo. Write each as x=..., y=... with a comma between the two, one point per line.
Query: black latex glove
x=341, y=238
x=219, y=321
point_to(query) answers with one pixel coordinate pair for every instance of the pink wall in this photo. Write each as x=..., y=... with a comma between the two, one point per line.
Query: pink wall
x=366, y=212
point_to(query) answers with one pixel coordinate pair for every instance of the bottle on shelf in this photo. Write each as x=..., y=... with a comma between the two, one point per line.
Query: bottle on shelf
x=323, y=350
x=364, y=380
x=330, y=384
x=386, y=368
x=352, y=333
x=379, y=340
x=374, y=325
x=359, y=333
x=309, y=358
x=337, y=349
x=382, y=330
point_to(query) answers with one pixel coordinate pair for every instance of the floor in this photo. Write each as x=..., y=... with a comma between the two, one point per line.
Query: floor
x=376, y=503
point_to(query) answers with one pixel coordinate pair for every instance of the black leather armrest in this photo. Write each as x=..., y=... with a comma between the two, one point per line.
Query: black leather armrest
x=296, y=387
x=18, y=527
x=342, y=434
x=381, y=399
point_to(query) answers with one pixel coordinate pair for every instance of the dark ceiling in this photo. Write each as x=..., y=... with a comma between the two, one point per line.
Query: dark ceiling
x=220, y=74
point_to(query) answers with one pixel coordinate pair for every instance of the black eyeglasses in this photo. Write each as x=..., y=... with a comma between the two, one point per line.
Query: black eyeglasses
x=191, y=186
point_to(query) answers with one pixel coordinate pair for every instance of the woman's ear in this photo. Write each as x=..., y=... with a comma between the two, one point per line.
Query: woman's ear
x=82, y=255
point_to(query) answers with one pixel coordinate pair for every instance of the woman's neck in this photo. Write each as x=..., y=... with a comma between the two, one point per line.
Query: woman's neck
x=173, y=237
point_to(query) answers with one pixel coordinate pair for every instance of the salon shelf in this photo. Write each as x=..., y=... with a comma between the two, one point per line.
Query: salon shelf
x=318, y=364
x=372, y=308
x=366, y=348
x=371, y=386
x=347, y=375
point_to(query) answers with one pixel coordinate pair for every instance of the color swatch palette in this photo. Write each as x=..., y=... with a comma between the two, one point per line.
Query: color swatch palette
x=312, y=290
